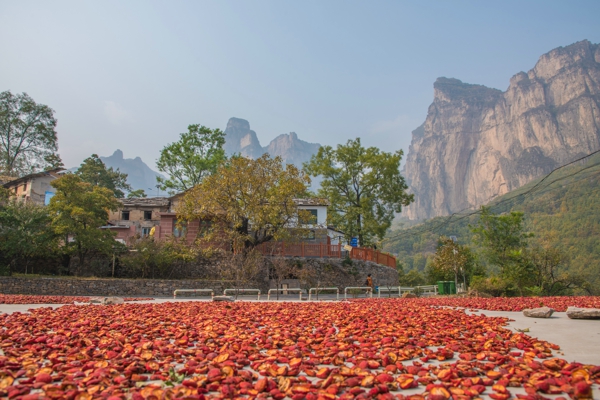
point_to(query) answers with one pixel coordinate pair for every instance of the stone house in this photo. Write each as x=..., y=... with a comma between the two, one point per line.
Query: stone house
x=156, y=216
x=34, y=188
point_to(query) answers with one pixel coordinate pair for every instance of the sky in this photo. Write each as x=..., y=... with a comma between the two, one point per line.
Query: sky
x=132, y=75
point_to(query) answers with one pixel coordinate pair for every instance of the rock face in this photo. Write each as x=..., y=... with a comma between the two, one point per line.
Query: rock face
x=291, y=149
x=542, y=312
x=139, y=175
x=478, y=143
x=583, y=313
x=240, y=139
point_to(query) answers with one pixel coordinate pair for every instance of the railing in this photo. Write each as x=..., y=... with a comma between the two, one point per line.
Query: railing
x=323, y=289
x=237, y=292
x=194, y=291
x=284, y=291
x=369, y=290
x=323, y=250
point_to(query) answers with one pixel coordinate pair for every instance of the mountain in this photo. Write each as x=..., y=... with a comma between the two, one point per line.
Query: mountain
x=240, y=139
x=560, y=209
x=478, y=143
x=139, y=175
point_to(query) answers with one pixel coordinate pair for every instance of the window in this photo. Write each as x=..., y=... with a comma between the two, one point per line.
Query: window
x=25, y=187
x=179, y=230
x=310, y=235
x=205, y=227
x=313, y=216
x=147, y=215
x=125, y=215
x=146, y=232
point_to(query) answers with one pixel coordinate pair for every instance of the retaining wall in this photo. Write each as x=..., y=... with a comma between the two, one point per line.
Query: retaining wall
x=324, y=273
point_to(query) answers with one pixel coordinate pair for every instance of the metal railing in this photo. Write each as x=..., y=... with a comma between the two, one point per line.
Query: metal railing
x=369, y=290
x=237, y=292
x=389, y=289
x=317, y=290
x=194, y=291
x=284, y=290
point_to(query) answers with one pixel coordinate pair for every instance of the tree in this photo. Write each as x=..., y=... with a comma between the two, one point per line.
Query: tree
x=28, y=139
x=364, y=186
x=94, y=171
x=78, y=210
x=450, y=257
x=196, y=155
x=252, y=200
x=136, y=194
x=25, y=233
x=504, y=242
x=550, y=276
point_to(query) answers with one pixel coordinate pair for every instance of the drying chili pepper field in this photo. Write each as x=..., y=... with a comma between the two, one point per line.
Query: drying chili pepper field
x=33, y=299
x=376, y=348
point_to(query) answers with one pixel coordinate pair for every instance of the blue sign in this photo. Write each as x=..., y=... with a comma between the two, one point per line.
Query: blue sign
x=354, y=242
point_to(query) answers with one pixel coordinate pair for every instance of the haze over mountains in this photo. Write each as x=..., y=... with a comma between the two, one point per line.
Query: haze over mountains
x=239, y=139
x=478, y=143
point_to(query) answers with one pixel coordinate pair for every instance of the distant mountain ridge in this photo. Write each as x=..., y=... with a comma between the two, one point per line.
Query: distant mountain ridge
x=239, y=138
x=139, y=175
x=478, y=143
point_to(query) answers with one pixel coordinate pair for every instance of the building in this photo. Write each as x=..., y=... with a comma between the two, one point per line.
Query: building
x=34, y=188
x=137, y=217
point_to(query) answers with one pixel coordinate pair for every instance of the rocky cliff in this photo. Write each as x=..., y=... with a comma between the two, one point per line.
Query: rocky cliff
x=478, y=143
x=240, y=139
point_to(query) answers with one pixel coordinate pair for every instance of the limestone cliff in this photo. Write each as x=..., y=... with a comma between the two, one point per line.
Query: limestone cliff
x=478, y=143
x=240, y=139
x=291, y=149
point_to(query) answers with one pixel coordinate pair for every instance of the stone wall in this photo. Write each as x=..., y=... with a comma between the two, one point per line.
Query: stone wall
x=323, y=273
x=103, y=287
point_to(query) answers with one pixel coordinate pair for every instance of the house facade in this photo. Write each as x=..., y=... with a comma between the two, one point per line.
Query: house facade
x=34, y=188
x=156, y=217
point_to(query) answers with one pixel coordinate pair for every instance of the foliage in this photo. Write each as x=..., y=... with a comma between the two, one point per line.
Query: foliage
x=188, y=161
x=549, y=276
x=25, y=233
x=502, y=238
x=136, y=194
x=94, y=171
x=252, y=199
x=364, y=186
x=78, y=210
x=450, y=257
x=412, y=278
x=494, y=285
x=149, y=258
x=28, y=139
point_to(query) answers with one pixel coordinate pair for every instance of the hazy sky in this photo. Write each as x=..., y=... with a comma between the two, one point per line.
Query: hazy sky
x=134, y=74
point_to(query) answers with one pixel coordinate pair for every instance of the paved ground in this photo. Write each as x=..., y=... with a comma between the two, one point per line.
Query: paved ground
x=579, y=339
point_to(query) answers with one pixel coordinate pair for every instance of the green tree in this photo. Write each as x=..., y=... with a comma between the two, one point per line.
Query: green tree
x=252, y=199
x=136, y=194
x=25, y=233
x=450, y=257
x=94, y=171
x=364, y=186
x=78, y=210
x=196, y=155
x=28, y=139
x=504, y=242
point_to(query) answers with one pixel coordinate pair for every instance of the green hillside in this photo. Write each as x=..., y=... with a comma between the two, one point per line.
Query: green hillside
x=563, y=209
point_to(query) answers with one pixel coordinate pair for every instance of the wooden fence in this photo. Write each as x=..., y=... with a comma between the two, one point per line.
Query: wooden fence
x=323, y=250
